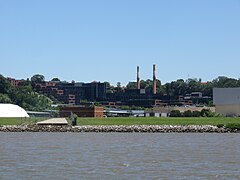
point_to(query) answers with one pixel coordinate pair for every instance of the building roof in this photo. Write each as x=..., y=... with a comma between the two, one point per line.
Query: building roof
x=11, y=110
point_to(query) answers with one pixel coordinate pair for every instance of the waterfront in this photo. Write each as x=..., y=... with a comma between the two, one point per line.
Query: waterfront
x=119, y=156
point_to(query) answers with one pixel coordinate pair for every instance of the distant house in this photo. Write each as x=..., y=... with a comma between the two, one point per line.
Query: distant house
x=15, y=82
x=227, y=101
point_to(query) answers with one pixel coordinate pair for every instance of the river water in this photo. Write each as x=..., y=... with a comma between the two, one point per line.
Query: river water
x=119, y=156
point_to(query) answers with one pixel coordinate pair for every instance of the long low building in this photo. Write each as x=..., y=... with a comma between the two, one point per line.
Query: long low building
x=95, y=111
x=227, y=101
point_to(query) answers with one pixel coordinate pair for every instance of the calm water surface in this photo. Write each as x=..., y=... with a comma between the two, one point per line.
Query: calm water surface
x=119, y=156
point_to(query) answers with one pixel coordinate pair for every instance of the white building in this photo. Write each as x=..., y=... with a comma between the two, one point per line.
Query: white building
x=227, y=101
x=11, y=110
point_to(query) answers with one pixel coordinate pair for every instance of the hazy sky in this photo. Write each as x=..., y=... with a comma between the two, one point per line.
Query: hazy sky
x=104, y=40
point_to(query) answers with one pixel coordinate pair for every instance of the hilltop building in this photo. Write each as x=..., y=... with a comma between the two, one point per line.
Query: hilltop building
x=76, y=92
x=73, y=93
x=15, y=82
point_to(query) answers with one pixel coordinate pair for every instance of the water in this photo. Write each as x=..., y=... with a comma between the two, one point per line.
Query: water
x=119, y=156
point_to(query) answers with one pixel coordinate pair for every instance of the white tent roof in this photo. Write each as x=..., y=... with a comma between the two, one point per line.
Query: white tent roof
x=11, y=110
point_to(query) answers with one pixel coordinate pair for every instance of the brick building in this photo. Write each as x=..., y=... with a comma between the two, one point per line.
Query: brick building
x=95, y=111
x=73, y=93
x=15, y=82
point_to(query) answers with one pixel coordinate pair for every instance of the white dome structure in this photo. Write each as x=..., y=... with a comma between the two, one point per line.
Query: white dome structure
x=11, y=110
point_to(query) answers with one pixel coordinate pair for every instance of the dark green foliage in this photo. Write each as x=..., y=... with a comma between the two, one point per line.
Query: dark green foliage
x=30, y=100
x=23, y=96
x=56, y=79
x=175, y=113
x=220, y=125
x=4, y=98
x=187, y=113
x=131, y=85
x=37, y=78
x=233, y=126
x=206, y=113
x=4, y=85
x=196, y=114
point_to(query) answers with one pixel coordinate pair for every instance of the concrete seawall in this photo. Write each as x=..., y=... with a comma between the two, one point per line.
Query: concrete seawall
x=120, y=129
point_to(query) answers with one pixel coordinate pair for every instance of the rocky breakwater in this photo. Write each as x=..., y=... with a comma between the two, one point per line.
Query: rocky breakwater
x=119, y=128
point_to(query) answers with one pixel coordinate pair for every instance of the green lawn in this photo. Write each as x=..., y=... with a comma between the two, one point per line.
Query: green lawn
x=133, y=121
x=19, y=121
x=157, y=121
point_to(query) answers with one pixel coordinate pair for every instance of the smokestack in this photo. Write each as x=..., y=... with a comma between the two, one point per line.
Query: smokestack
x=154, y=80
x=138, y=79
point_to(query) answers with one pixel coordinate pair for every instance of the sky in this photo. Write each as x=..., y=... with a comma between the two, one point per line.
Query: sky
x=92, y=40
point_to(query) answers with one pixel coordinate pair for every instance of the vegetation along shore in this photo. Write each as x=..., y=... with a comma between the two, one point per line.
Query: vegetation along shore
x=126, y=124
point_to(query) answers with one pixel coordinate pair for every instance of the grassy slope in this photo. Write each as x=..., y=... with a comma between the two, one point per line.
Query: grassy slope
x=157, y=121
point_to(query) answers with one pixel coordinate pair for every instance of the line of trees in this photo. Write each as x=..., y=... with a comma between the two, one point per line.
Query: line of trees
x=28, y=98
x=180, y=87
x=188, y=113
x=23, y=96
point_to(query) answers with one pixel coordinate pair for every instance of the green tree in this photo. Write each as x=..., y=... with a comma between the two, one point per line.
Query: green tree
x=107, y=84
x=196, y=114
x=207, y=113
x=56, y=79
x=37, y=78
x=110, y=88
x=131, y=85
x=25, y=97
x=225, y=82
x=4, y=85
x=187, y=113
x=4, y=98
x=175, y=113
x=176, y=88
x=193, y=85
x=143, y=84
x=207, y=89
x=119, y=87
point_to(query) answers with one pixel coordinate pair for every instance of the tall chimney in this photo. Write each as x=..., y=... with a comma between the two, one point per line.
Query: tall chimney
x=154, y=80
x=138, y=79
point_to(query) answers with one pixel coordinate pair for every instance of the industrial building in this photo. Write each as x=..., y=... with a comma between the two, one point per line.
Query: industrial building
x=138, y=97
x=146, y=98
x=227, y=101
x=75, y=93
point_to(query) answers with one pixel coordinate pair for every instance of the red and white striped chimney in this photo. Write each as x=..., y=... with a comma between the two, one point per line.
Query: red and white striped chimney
x=154, y=80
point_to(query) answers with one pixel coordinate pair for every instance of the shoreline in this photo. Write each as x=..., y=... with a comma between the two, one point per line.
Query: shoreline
x=119, y=128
